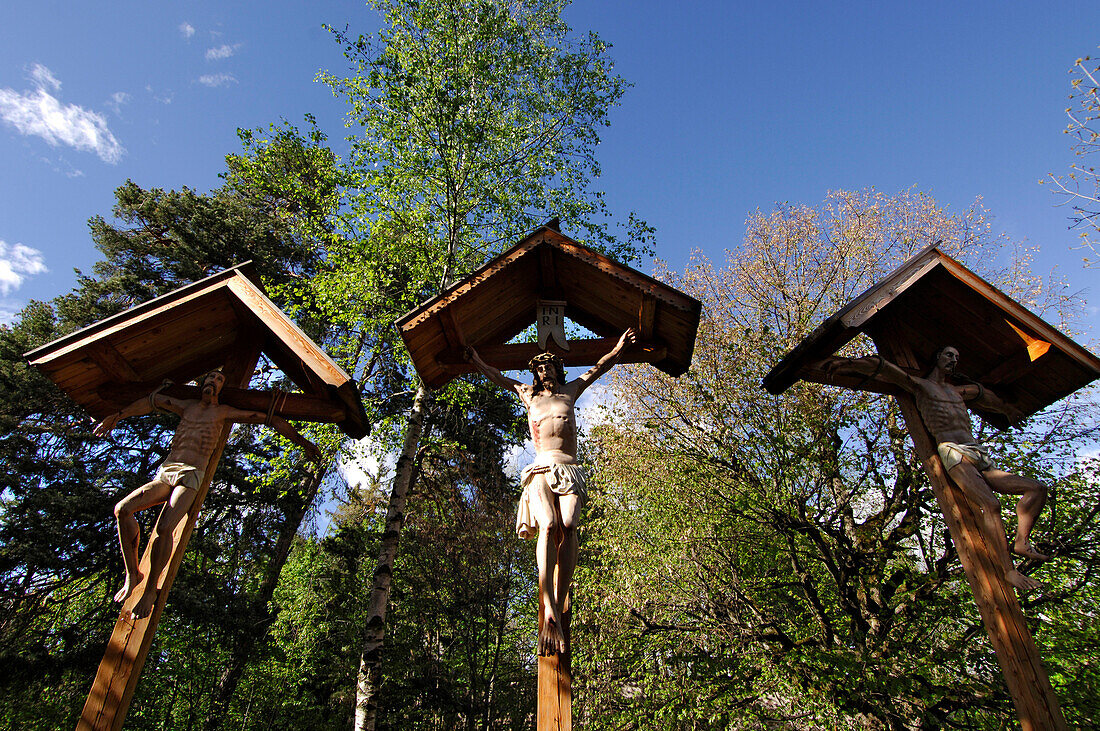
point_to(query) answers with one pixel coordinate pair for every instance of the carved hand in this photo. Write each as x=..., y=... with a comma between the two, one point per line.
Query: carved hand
x=104, y=427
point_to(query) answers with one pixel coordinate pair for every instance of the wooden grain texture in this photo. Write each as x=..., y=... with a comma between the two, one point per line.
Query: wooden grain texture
x=119, y=670
x=497, y=302
x=515, y=356
x=1036, y=704
x=555, y=706
x=939, y=302
x=290, y=335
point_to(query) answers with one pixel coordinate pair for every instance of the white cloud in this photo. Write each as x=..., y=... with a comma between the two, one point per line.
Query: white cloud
x=187, y=30
x=213, y=80
x=44, y=78
x=117, y=100
x=17, y=262
x=221, y=52
x=40, y=113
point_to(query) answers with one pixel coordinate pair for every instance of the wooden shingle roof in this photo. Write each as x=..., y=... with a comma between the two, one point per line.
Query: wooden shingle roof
x=497, y=302
x=191, y=330
x=936, y=302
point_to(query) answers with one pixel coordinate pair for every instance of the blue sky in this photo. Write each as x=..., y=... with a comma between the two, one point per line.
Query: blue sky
x=734, y=106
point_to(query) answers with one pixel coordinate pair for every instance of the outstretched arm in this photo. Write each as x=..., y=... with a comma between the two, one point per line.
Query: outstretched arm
x=144, y=405
x=586, y=379
x=977, y=395
x=277, y=423
x=494, y=374
x=869, y=367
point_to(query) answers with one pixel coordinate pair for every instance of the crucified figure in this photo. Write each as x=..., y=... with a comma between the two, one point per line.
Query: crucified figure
x=943, y=409
x=554, y=484
x=177, y=481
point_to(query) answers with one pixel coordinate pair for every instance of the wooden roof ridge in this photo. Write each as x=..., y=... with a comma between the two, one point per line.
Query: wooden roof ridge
x=193, y=328
x=547, y=234
x=861, y=312
x=64, y=343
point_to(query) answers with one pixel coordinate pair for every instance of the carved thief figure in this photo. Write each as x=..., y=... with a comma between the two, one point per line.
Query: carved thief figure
x=177, y=482
x=943, y=409
x=554, y=484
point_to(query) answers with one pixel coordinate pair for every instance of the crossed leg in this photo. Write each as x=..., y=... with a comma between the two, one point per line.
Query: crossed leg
x=556, y=554
x=177, y=502
x=978, y=492
x=1033, y=496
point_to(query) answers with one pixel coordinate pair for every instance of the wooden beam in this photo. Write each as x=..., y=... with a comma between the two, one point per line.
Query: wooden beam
x=111, y=362
x=514, y=356
x=295, y=406
x=549, y=287
x=456, y=339
x=117, y=677
x=646, y=314
x=555, y=706
x=286, y=331
x=1036, y=704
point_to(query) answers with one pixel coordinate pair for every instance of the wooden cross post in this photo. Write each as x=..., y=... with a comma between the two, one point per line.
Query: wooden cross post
x=555, y=708
x=119, y=670
x=1036, y=704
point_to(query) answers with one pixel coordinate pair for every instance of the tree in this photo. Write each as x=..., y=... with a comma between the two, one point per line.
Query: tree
x=756, y=559
x=1081, y=187
x=479, y=119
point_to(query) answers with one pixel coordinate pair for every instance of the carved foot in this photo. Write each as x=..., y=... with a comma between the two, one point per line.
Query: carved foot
x=145, y=604
x=128, y=586
x=1025, y=549
x=1022, y=582
x=551, y=639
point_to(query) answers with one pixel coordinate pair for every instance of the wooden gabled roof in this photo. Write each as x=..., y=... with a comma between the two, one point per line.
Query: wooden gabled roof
x=936, y=302
x=497, y=302
x=191, y=330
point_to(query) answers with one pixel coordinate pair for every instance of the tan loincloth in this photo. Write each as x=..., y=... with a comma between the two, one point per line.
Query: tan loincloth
x=179, y=474
x=563, y=479
x=953, y=454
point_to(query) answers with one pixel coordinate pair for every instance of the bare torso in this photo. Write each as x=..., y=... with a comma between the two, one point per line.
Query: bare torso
x=944, y=412
x=197, y=433
x=552, y=421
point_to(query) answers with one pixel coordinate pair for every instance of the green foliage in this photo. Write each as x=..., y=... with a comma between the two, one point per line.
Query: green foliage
x=478, y=120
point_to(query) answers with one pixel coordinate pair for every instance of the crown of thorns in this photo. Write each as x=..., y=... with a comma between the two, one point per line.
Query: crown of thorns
x=546, y=358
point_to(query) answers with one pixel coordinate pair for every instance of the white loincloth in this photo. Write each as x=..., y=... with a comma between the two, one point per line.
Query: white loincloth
x=953, y=454
x=563, y=479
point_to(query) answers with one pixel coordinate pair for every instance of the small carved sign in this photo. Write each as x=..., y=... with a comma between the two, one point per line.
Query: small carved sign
x=550, y=321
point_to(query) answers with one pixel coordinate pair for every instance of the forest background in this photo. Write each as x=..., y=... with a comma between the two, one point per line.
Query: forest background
x=781, y=562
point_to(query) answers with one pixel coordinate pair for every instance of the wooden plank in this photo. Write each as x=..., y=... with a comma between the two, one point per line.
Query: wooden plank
x=549, y=288
x=514, y=356
x=647, y=312
x=451, y=330
x=289, y=334
x=120, y=668
x=294, y=406
x=1036, y=704
x=555, y=700
x=72, y=343
x=1024, y=317
x=111, y=361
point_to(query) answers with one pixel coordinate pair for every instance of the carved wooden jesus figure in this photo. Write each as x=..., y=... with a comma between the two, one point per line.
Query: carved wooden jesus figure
x=178, y=480
x=553, y=485
x=943, y=409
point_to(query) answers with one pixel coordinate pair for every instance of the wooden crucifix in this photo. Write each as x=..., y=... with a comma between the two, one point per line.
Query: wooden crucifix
x=545, y=279
x=924, y=318
x=137, y=361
